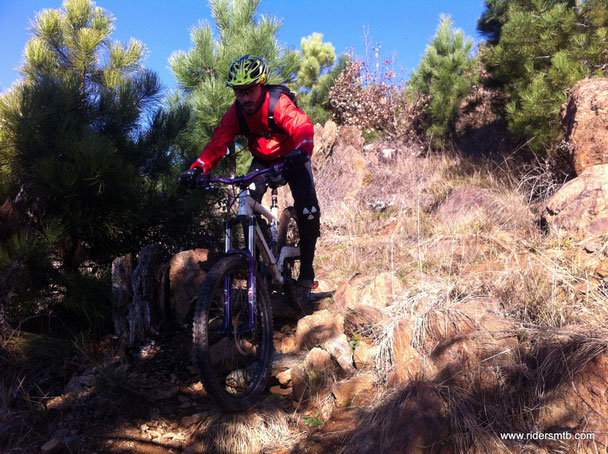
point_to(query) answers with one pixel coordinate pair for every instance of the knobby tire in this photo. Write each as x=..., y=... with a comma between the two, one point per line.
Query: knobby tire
x=209, y=344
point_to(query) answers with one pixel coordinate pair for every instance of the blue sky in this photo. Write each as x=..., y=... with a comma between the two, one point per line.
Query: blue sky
x=402, y=27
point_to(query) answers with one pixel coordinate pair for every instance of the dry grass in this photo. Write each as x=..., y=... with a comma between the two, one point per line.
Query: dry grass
x=496, y=251
x=263, y=428
x=475, y=412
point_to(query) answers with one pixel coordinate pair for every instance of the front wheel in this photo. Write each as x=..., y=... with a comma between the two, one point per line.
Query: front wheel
x=234, y=363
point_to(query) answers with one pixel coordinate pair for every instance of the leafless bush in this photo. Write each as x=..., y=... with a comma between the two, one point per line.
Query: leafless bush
x=373, y=102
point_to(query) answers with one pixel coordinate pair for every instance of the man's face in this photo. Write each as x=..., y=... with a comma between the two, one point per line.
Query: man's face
x=250, y=97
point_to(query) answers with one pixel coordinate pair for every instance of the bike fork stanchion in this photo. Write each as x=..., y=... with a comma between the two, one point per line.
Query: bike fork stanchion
x=251, y=281
x=227, y=306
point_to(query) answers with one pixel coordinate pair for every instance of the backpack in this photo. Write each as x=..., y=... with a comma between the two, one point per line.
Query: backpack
x=275, y=93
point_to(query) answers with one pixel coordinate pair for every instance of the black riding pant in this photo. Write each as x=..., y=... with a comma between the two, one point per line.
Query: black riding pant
x=302, y=187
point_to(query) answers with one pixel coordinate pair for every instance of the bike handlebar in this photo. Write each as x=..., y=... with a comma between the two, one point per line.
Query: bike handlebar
x=242, y=179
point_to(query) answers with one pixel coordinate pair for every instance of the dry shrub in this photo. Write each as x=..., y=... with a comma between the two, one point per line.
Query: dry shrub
x=354, y=104
x=362, y=98
x=264, y=428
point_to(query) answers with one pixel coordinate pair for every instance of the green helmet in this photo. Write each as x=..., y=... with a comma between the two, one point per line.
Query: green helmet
x=247, y=70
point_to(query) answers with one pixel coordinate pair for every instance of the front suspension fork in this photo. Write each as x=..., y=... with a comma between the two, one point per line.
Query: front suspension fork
x=227, y=327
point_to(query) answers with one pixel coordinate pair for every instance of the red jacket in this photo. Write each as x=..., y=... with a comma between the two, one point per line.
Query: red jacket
x=298, y=134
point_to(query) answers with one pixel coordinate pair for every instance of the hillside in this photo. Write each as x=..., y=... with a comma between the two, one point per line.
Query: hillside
x=446, y=316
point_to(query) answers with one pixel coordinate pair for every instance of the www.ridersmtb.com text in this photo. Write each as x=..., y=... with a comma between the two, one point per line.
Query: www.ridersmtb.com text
x=548, y=436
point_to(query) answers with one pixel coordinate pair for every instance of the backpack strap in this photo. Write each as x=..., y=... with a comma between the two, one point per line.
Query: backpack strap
x=274, y=98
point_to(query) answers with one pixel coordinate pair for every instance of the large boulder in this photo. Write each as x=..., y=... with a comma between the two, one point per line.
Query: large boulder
x=325, y=138
x=317, y=328
x=187, y=271
x=580, y=207
x=345, y=171
x=585, y=121
x=381, y=291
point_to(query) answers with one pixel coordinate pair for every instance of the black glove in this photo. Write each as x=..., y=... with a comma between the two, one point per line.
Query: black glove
x=294, y=159
x=190, y=177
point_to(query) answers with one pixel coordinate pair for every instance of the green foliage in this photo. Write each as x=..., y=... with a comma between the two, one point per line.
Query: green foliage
x=202, y=71
x=316, y=57
x=313, y=421
x=446, y=73
x=538, y=50
x=25, y=270
x=315, y=102
x=94, y=159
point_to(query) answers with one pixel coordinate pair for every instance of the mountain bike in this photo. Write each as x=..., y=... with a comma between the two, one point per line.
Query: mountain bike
x=233, y=328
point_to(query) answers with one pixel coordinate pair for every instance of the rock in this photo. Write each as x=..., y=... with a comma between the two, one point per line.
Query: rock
x=585, y=120
x=189, y=420
x=284, y=377
x=578, y=402
x=280, y=390
x=348, y=293
x=464, y=201
x=383, y=290
x=282, y=362
x=347, y=170
x=580, y=207
x=339, y=348
x=388, y=154
x=288, y=344
x=52, y=446
x=317, y=328
x=364, y=354
x=187, y=271
x=602, y=269
x=359, y=291
x=310, y=377
x=350, y=136
x=319, y=360
x=409, y=364
x=345, y=391
x=325, y=138
x=362, y=315
x=592, y=247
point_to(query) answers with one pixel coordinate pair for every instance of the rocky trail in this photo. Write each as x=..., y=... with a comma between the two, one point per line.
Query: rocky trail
x=152, y=401
x=462, y=308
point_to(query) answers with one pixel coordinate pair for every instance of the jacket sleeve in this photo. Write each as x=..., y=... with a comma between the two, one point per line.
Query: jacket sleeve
x=296, y=123
x=222, y=137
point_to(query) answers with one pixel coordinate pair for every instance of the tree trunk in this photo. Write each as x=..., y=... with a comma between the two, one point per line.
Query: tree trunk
x=145, y=306
x=122, y=294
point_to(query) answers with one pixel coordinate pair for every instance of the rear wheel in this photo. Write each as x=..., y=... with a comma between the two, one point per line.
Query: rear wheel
x=289, y=235
x=234, y=363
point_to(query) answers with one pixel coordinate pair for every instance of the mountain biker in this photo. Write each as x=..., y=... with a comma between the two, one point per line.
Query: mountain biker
x=290, y=142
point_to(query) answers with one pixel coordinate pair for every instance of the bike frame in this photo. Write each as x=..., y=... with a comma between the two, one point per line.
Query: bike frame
x=247, y=209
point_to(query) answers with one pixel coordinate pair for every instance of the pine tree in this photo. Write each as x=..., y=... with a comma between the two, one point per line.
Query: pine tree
x=317, y=76
x=446, y=73
x=317, y=56
x=85, y=146
x=202, y=71
x=543, y=49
